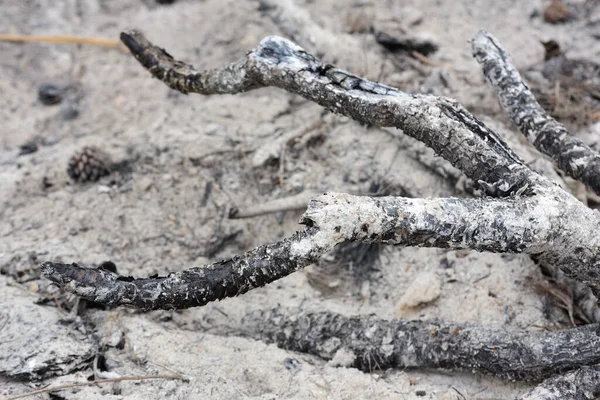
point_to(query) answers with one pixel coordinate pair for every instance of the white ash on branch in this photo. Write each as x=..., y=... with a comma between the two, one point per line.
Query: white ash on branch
x=529, y=214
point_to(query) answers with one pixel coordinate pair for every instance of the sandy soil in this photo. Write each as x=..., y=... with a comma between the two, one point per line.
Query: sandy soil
x=192, y=158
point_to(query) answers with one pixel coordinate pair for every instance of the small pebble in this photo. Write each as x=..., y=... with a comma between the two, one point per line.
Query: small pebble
x=145, y=183
x=425, y=288
x=108, y=266
x=291, y=363
x=46, y=183
x=28, y=148
x=557, y=12
x=69, y=110
x=49, y=94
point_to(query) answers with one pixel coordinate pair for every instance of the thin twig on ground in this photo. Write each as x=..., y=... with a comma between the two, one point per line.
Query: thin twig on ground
x=294, y=202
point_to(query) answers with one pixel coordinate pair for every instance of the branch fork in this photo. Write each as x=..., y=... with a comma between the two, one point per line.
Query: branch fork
x=522, y=212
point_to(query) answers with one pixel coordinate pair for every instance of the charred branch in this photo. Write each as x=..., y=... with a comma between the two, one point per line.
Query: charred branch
x=196, y=286
x=442, y=124
x=549, y=136
x=373, y=343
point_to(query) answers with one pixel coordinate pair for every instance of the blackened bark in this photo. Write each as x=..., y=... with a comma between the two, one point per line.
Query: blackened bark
x=549, y=136
x=442, y=124
x=374, y=343
x=193, y=287
x=540, y=218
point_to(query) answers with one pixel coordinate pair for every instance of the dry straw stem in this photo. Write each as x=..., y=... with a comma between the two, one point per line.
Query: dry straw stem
x=523, y=213
x=294, y=202
x=61, y=39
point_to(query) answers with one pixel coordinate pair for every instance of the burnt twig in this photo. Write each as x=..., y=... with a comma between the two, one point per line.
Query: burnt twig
x=196, y=286
x=549, y=136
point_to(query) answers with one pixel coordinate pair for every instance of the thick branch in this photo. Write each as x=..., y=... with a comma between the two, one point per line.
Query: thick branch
x=551, y=225
x=196, y=286
x=373, y=343
x=440, y=123
x=582, y=384
x=548, y=135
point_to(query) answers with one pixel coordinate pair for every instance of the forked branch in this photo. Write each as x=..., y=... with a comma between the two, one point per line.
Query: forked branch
x=541, y=219
x=529, y=214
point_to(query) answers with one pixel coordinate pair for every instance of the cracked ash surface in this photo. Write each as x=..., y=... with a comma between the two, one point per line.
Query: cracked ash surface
x=192, y=159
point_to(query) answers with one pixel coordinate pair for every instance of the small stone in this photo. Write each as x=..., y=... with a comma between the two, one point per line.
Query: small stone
x=108, y=266
x=557, y=12
x=145, y=183
x=28, y=148
x=46, y=183
x=69, y=110
x=425, y=288
x=177, y=252
x=291, y=363
x=50, y=95
x=119, y=101
x=211, y=129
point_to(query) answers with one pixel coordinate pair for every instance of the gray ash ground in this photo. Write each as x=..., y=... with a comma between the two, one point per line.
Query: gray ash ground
x=192, y=160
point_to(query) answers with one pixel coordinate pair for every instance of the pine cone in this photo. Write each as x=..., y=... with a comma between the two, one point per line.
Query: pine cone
x=89, y=165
